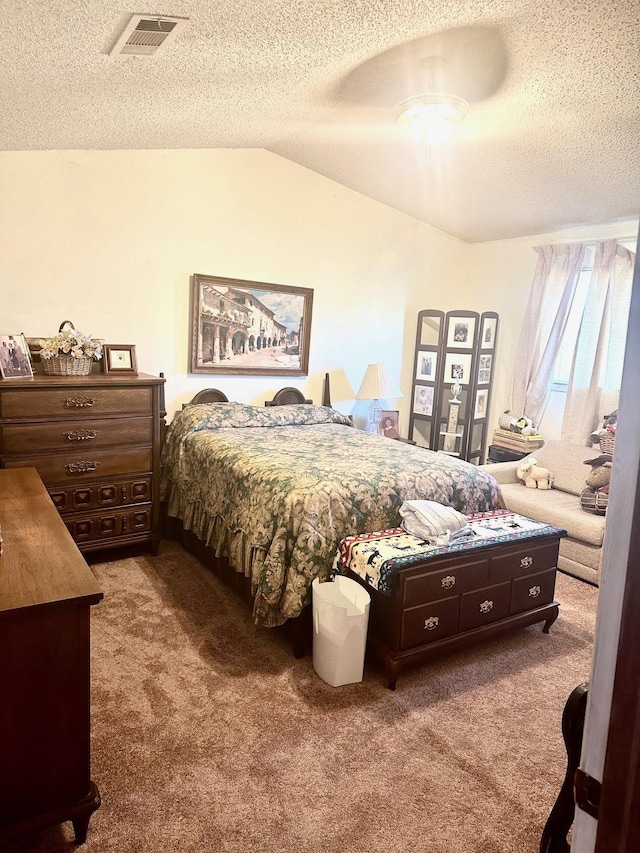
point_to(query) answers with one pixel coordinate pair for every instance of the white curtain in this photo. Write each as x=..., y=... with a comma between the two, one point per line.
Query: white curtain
x=554, y=286
x=596, y=373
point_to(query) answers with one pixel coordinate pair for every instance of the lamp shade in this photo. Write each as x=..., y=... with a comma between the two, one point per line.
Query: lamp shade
x=378, y=384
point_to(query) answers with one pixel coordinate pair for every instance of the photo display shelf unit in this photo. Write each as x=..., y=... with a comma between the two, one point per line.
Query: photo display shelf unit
x=456, y=348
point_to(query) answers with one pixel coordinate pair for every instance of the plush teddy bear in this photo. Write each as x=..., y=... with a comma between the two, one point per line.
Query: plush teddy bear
x=600, y=475
x=595, y=498
x=533, y=476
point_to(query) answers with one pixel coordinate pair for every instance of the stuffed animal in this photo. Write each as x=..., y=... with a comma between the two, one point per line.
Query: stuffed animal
x=533, y=476
x=600, y=475
x=595, y=498
x=523, y=426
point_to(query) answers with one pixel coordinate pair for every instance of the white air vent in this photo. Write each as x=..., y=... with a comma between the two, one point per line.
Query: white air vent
x=146, y=35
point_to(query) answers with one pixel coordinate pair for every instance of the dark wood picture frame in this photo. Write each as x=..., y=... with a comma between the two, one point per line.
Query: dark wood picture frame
x=120, y=358
x=249, y=327
x=389, y=423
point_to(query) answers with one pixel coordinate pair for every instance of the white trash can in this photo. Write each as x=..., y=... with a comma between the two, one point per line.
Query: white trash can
x=340, y=621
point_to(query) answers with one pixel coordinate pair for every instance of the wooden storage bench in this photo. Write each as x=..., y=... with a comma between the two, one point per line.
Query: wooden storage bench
x=427, y=600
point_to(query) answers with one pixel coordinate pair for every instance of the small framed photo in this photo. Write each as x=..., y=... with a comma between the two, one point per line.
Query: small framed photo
x=426, y=366
x=461, y=332
x=423, y=400
x=488, y=332
x=484, y=369
x=389, y=423
x=480, y=410
x=120, y=358
x=15, y=360
x=457, y=368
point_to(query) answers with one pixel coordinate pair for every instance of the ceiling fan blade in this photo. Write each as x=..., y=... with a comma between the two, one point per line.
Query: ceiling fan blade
x=467, y=61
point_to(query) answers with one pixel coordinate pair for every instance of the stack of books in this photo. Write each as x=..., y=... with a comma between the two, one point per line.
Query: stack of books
x=516, y=441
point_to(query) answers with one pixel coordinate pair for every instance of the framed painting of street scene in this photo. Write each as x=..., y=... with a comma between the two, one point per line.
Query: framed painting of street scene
x=249, y=327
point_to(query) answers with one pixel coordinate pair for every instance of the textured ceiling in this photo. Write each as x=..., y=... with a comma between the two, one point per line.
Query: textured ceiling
x=552, y=138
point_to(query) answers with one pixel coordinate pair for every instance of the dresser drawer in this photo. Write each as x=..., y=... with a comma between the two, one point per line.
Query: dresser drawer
x=20, y=438
x=97, y=528
x=449, y=580
x=101, y=495
x=429, y=622
x=69, y=402
x=87, y=463
x=523, y=561
x=533, y=591
x=484, y=606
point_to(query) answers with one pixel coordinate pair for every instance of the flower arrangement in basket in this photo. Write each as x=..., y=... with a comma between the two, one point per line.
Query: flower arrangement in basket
x=70, y=352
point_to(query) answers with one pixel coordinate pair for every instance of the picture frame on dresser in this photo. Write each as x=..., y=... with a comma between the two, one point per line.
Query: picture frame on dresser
x=15, y=358
x=120, y=358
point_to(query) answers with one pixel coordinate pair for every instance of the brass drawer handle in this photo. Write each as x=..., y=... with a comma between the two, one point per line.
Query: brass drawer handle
x=448, y=582
x=534, y=592
x=81, y=467
x=526, y=562
x=486, y=606
x=431, y=623
x=78, y=402
x=81, y=434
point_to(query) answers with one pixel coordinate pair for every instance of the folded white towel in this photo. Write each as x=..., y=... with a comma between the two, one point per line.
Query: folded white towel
x=436, y=523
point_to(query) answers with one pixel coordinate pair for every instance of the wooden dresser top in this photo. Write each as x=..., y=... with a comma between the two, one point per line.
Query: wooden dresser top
x=41, y=563
x=41, y=381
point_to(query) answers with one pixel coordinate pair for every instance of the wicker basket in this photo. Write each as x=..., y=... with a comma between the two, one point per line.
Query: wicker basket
x=67, y=365
x=607, y=443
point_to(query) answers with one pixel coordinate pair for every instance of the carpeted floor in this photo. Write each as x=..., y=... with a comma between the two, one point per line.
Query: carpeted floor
x=208, y=735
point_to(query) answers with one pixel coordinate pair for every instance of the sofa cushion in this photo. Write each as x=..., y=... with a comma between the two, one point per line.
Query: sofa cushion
x=566, y=463
x=559, y=508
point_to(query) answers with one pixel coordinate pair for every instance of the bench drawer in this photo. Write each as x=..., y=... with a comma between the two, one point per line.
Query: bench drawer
x=484, y=605
x=524, y=561
x=429, y=622
x=533, y=591
x=449, y=580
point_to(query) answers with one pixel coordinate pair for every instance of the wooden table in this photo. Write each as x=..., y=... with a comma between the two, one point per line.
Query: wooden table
x=46, y=590
x=442, y=601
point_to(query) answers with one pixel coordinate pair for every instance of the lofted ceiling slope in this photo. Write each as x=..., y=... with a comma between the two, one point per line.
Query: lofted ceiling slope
x=551, y=140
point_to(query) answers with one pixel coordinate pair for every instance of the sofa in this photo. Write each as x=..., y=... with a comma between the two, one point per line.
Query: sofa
x=581, y=550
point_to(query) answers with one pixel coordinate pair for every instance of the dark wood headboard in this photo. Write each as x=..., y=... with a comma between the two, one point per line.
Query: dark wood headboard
x=282, y=397
x=286, y=397
x=208, y=395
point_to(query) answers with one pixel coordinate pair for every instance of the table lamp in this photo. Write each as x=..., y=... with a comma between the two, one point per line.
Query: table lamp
x=376, y=385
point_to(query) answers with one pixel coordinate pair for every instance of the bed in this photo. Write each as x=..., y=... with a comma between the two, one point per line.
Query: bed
x=273, y=489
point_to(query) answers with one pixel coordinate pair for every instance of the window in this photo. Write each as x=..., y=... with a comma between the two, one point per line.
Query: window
x=562, y=368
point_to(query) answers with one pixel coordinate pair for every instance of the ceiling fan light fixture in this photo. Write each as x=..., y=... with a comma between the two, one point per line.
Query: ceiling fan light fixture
x=431, y=116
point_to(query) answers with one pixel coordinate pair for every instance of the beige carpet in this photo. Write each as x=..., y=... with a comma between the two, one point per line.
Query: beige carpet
x=208, y=735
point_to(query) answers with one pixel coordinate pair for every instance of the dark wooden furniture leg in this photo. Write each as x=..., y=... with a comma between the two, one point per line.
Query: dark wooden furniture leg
x=554, y=835
x=552, y=618
x=80, y=821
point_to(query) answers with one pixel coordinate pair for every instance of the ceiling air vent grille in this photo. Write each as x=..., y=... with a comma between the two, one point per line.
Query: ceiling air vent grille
x=145, y=35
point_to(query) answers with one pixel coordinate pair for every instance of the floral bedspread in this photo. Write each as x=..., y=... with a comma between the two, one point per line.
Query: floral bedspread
x=275, y=489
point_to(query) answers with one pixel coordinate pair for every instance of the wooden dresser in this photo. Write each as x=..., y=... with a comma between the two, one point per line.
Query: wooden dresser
x=46, y=590
x=451, y=600
x=95, y=441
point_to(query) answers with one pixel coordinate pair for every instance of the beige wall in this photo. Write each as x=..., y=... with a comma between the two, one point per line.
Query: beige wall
x=109, y=239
